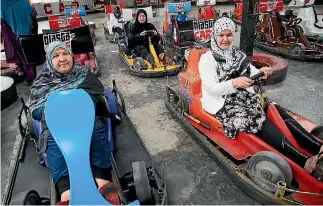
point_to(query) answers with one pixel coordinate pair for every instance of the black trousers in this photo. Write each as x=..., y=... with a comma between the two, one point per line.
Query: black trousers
x=277, y=140
x=117, y=29
x=143, y=50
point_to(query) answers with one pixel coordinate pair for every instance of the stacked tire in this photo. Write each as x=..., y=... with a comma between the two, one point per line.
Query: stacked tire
x=8, y=91
x=278, y=65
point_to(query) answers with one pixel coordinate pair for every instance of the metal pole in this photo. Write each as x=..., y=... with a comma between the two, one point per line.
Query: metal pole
x=248, y=26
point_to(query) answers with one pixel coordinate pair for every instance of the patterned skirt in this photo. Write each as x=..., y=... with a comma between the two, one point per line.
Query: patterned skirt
x=241, y=112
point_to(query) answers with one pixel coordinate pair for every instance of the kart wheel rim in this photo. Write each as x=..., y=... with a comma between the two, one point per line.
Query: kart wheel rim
x=137, y=66
x=299, y=49
x=263, y=170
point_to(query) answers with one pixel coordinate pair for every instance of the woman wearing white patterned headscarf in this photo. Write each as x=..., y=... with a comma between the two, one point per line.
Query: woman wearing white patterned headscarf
x=224, y=71
x=227, y=94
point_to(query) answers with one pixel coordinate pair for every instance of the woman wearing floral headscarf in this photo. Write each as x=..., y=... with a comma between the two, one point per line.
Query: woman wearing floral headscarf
x=64, y=74
x=227, y=94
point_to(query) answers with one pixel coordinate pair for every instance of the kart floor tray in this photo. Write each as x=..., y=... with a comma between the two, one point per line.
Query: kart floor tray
x=30, y=175
x=128, y=147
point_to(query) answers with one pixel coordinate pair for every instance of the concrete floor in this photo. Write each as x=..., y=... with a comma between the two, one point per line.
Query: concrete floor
x=192, y=177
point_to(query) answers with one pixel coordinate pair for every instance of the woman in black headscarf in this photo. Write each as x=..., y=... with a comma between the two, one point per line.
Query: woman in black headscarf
x=140, y=43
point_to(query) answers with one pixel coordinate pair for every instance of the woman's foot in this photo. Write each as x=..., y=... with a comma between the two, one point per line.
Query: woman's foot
x=66, y=202
x=314, y=166
x=110, y=192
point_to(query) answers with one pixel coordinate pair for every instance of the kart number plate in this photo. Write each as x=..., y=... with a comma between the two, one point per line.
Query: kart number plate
x=61, y=36
x=202, y=29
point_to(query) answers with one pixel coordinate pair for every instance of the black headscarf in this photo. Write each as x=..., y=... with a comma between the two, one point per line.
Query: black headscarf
x=139, y=27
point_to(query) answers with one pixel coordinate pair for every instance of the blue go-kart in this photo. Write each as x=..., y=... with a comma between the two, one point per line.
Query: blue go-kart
x=133, y=170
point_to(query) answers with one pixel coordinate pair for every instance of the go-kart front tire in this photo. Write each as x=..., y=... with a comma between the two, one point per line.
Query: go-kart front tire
x=138, y=63
x=270, y=167
x=29, y=197
x=141, y=181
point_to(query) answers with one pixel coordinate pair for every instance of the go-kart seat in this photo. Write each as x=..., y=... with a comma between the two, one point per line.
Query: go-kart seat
x=284, y=18
x=195, y=88
x=185, y=31
x=127, y=29
x=81, y=58
x=113, y=109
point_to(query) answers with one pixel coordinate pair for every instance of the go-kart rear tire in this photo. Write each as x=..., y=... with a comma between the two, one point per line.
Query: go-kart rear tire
x=168, y=58
x=279, y=66
x=141, y=181
x=115, y=37
x=299, y=49
x=318, y=131
x=271, y=167
x=29, y=197
x=122, y=48
x=138, y=63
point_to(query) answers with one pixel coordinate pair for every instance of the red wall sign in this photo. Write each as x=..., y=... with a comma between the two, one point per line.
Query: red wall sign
x=52, y=8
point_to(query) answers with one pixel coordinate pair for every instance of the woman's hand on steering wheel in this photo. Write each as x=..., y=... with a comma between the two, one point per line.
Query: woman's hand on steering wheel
x=143, y=33
x=267, y=72
x=242, y=82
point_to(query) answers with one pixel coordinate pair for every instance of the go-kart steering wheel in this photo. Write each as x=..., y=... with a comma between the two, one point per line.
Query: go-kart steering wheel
x=150, y=33
x=256, y=76
x=295, y=22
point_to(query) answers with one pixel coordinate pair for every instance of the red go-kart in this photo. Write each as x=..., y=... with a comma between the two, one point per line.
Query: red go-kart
x=262, y=171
